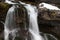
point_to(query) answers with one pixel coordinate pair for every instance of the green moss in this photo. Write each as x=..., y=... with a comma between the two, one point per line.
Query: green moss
x=3, y=7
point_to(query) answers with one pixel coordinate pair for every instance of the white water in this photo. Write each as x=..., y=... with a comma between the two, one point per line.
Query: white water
x=6, y=25
x=10, y=2
x=48, y=6
x=33, y=25
x=10, y=24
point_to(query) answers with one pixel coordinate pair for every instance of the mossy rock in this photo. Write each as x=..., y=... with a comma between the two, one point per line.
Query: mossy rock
x=3, y=7
x=3, y=10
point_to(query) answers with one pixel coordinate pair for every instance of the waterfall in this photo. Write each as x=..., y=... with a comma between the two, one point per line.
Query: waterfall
x=33, y=25
x=10, y=27
x=10, y=24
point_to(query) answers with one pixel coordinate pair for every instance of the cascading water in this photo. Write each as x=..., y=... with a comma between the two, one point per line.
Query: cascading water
x=10, y=24
x=33, y=25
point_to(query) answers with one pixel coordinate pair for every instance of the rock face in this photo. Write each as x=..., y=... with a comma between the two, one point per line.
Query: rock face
x=48, y=20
